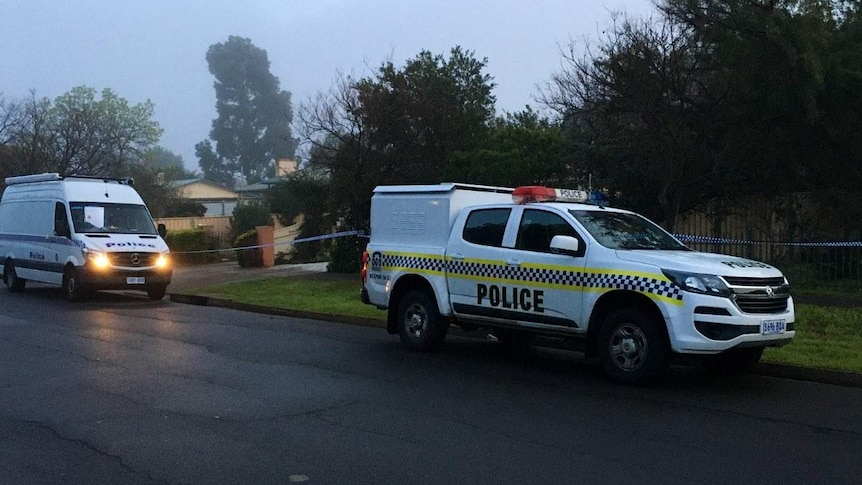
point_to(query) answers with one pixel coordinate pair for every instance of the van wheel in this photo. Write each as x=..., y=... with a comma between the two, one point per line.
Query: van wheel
x=72, y=288
x=10, y=277
x=157, y=292
x=631, y=347
x=420, y=325
x=733, y=361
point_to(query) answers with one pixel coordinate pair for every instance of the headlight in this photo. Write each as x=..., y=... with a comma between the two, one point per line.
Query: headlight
x=163, y=261
x=705, y=284
x=98, y=260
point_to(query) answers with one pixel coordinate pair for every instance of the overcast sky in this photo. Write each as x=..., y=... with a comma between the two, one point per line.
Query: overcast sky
x=156, y=49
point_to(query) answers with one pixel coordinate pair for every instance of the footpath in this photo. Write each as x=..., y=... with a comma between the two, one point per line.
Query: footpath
x=187, y=279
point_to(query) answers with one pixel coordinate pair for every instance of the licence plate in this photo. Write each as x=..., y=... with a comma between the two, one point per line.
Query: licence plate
x=772, y=327
x=135, y=280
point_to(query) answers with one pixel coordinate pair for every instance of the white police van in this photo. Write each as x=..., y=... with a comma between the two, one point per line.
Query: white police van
x=84, y=233
x=540, y=261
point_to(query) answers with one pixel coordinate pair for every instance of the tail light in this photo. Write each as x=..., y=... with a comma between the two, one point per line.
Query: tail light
x=363, y=273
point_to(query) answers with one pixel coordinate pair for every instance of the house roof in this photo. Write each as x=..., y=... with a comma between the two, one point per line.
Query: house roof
x=199, y=188
x=261, y=186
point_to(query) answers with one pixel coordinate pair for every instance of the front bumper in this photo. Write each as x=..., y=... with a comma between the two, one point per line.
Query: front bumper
x=710, y=324
x=120, y=279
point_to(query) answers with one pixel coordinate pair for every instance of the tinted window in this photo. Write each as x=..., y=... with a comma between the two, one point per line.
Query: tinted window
x=486, y=226
x=538, y=227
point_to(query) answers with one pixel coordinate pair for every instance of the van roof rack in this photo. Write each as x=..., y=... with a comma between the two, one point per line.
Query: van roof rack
x=51, y=177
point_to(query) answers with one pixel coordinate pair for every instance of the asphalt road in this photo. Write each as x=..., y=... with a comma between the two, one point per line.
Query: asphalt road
x=124, y=390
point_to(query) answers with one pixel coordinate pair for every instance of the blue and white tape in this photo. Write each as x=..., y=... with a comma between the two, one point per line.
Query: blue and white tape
x=719, y=240
x=288, y=243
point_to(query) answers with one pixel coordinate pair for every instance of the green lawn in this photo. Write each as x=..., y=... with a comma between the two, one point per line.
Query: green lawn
x=333, y=297
x=826, y=337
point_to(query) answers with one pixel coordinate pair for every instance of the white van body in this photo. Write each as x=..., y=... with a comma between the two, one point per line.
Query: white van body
x=84, y=233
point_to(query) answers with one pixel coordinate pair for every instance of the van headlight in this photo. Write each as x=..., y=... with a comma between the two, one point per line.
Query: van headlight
x=163, y=261
x=98, y=260
x=705, y=284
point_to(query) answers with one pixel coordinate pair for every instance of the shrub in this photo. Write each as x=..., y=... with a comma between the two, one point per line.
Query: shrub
x=248, y=216
x=346, y=254
x=191, y=240
x=248, y=257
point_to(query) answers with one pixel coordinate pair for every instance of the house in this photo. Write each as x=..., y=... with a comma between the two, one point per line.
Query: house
x=219, y=200
x=255, y=192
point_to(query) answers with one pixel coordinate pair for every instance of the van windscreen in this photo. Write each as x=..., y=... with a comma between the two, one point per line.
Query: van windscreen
x=96, y=217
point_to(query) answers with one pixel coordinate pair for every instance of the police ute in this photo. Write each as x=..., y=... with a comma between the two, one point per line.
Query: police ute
x=83, y=233
x=538, y=261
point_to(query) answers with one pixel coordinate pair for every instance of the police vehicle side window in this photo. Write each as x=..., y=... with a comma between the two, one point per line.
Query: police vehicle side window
x=486, y=226
x=538, y=227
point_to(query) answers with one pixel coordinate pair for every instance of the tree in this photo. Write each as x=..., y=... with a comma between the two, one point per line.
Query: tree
x=306, y=193
x=644, y=107
x=521, y=148
x=252, y=129
x=80, y=132
x=399, y=126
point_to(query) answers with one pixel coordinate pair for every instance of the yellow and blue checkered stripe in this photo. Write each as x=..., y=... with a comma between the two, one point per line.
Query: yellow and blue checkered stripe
x=548, y=276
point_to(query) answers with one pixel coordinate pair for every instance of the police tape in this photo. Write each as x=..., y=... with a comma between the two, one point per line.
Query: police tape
x=287, y=243
x=741, y=242
x=686, y=238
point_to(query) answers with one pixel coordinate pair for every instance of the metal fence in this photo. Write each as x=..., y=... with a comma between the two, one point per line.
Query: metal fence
x=829, y=264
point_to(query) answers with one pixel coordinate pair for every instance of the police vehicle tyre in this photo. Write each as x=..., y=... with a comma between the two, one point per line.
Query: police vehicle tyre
x=156, y=292
x=632, y=348
x=733, y=361
x=420, y=325
x=10, y=277
x=72, y=288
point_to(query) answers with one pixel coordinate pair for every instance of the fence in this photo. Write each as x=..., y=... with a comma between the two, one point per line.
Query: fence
x=217, y=227
x=831, y=264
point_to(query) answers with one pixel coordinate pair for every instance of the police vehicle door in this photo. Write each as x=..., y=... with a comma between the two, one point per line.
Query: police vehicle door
x=473, y=260
x=542, y=287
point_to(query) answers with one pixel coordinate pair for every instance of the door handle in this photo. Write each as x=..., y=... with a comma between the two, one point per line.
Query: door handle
x=457, y=257
x=513, y=262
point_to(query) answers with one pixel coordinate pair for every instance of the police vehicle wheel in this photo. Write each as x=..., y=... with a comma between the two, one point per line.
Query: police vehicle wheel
x=157, y=292
x=631, y=347
x=10, y=276
x=72, y=288
x=734, y=361
x=420, y=325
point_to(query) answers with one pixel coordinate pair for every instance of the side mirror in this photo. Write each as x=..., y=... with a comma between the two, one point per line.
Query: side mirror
x=162, y=230
x=567, y=245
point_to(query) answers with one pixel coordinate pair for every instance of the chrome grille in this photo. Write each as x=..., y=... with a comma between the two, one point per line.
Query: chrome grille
x=759, y=295
x=129, y=259
x=737, y=281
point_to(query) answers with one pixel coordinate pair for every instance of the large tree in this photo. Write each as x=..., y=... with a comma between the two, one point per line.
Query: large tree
x=81, y=132
x=252, y=129
x=401, y=125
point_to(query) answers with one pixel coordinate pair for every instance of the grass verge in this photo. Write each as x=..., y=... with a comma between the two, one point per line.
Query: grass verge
x=826, y=337
x=326, y=296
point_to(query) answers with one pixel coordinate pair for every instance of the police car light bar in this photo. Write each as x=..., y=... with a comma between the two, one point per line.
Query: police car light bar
x=537, y=193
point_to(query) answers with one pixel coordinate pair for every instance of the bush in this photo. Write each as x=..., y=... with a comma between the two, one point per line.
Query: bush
x=248, y=216
x=346, y=254
x=248, y=257
x=191, y=240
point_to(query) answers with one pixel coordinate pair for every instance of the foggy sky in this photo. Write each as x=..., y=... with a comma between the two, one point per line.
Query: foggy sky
x=156, y=49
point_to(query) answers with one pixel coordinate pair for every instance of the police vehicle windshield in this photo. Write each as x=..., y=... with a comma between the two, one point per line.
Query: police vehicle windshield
x=619, y=230
x=94, y=217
